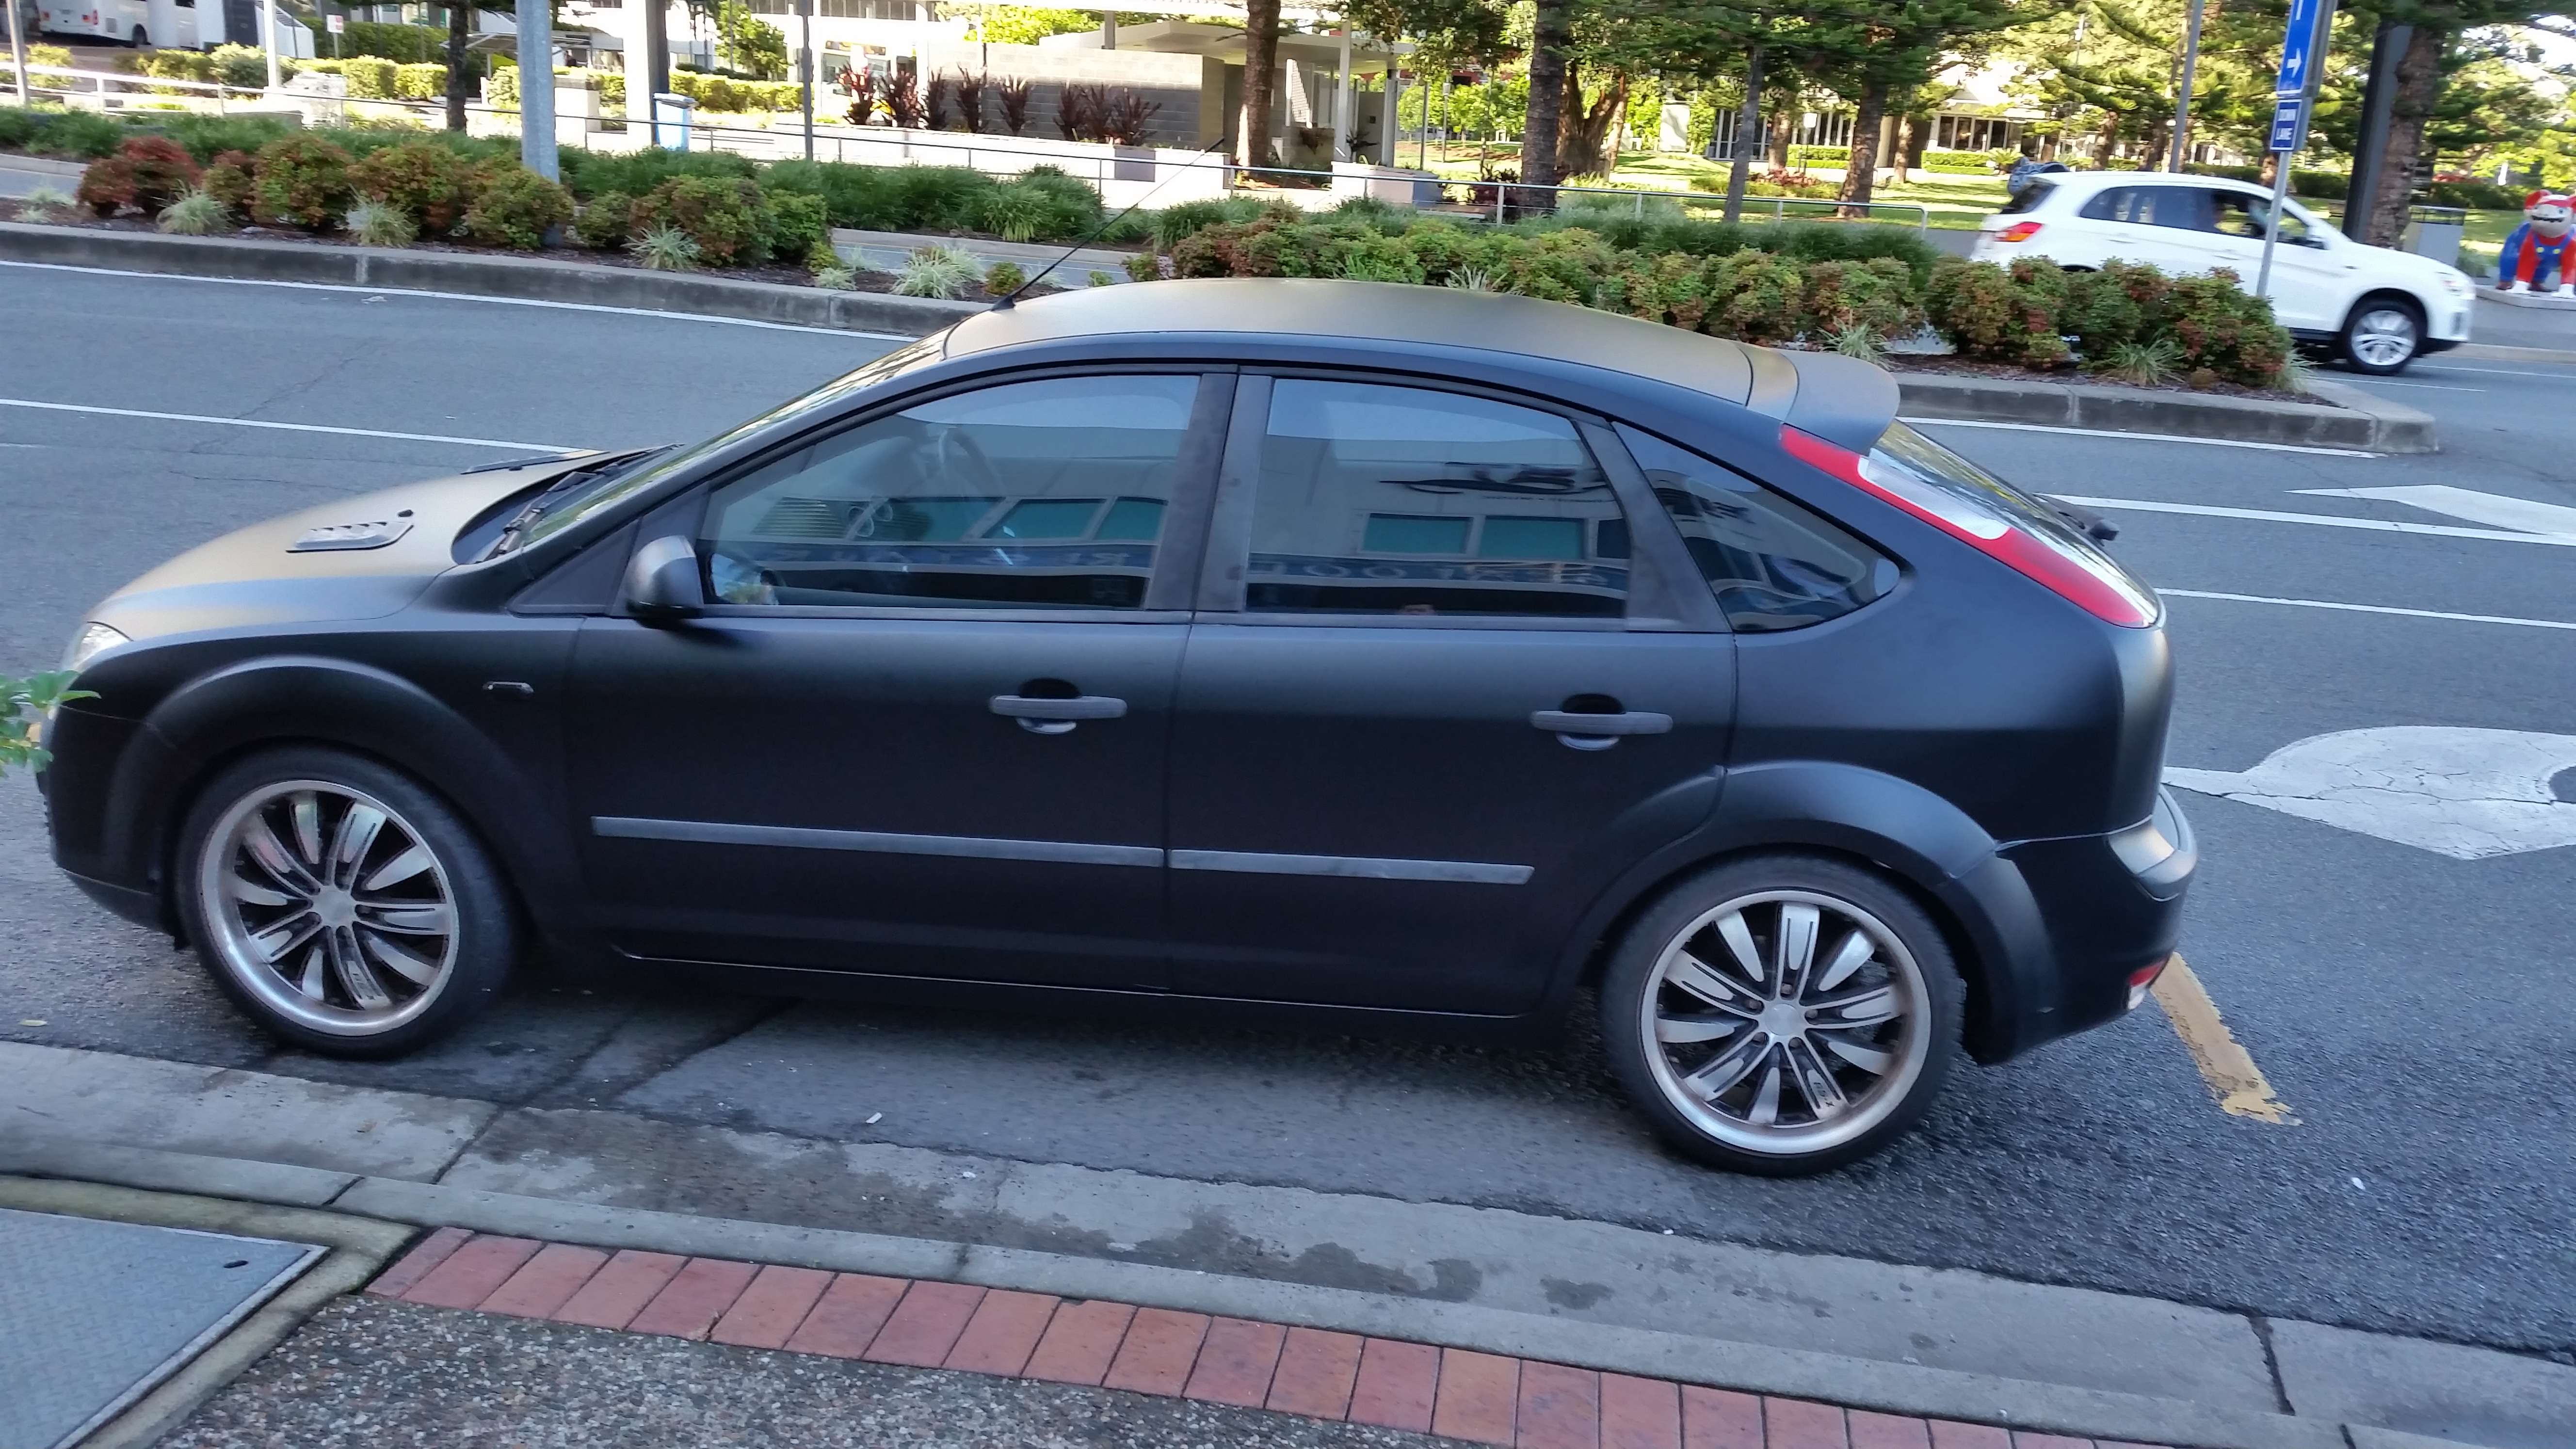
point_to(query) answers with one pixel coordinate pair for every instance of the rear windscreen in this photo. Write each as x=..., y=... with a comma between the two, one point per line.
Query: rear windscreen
x=2030, y=198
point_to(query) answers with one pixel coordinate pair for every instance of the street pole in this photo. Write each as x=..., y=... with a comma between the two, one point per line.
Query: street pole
x=657, y=69
x=1342, y=99
x=805, y=69
x=268, y=39
x=18, y=53
x=537, y=89
x=2182, y=111
x=2281, y=170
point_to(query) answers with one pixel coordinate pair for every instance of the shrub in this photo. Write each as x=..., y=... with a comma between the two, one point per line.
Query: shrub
x=2224, y=330
x=2002, y=315
x=836, y=278
x=729, y=220
x=230, y=183
x=2117, y=305
x=80, y=135
x=602, y=223
x=592, y=173
x=1960, y=163
x=195, y=214
x=429, y=184
x=1003, y=278
x=1012, y=213
x=207, y=137
x=365, y=38
x=1144, y=267
x=1173, y=223
x=45, y=203
x=246, y=66
x=516, y=208
x=301, y=181
x=1098, y=279
x=381, y=224
x=147, y=172
x=800, y=223
x=942, y=271
x=421, y=82
x=1873, y=296
x=371, y=78
x=665, y=248
x=1757, y=297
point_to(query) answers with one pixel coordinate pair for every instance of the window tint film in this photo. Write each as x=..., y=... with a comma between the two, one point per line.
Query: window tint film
x=1043, y=494
x=1400, y=500
x=2030, y=198
x=1773, y=563
x=2175, y=206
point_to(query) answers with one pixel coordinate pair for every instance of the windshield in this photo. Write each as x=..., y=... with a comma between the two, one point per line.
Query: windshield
x=609, y=490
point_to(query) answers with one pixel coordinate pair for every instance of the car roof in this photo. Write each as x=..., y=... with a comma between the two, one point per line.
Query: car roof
x=2100, y=180
x=1835, y=397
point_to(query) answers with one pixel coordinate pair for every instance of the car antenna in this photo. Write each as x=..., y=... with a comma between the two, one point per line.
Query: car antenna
x=1013, y=295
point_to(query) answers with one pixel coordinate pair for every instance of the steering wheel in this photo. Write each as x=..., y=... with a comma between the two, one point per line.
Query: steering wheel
x=962, y=461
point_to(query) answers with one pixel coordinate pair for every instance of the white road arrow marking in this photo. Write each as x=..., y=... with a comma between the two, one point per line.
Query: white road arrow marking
x=2493, y=509
x=2464, y=793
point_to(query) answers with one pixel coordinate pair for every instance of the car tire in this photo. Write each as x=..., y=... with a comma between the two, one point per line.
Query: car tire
x=1693, y=1000
x=2382, y=335
x=341, y=904
x=139, y=40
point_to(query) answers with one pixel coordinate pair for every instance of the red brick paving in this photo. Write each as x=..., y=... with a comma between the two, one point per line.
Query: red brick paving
x=543, y=1283
x=616, y=1293
x=769, y=1310
x=1316, y=1371
x=1396, y=1384
x=694, y=1299
x=1479, y=1397
x=1479, y=1394
x=926, y=1324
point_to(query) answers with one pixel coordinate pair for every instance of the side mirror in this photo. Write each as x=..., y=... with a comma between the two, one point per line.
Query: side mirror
x=663, y=581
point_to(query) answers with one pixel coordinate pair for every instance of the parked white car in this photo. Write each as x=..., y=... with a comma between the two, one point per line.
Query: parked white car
x=2378, y=309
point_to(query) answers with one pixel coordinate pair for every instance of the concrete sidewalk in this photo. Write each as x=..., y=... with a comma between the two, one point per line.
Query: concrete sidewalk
x=1932, y=1344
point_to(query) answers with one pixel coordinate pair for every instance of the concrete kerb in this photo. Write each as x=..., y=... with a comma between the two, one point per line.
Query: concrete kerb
x=537, y=279
x=2348, y=418
x=359, y=1249
x=1862, y=1383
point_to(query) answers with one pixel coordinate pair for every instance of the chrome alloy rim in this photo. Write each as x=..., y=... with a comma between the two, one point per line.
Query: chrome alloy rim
x=2384, y=336
x=327, y=907
x=1786, y=1022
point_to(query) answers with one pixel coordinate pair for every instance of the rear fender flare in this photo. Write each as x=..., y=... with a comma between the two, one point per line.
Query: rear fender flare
x=1924, y=842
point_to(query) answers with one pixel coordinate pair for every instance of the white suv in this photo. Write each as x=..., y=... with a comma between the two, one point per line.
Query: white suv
x=2377, y=308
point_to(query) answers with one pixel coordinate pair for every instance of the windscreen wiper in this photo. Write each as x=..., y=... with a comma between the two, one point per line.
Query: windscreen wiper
x=555, y=492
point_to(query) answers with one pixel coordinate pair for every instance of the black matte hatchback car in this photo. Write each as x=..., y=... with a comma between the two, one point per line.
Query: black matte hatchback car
x=1353, y=652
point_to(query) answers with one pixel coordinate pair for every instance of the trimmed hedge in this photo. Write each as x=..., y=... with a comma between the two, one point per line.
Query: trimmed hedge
x=1958, y=163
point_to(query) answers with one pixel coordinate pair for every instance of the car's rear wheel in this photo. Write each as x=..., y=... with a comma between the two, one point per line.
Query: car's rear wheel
x=342, y=905
x=2382, y=335
x=1782, y=1014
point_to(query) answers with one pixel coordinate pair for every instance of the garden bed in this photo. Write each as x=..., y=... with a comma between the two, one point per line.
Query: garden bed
x=1946, y=366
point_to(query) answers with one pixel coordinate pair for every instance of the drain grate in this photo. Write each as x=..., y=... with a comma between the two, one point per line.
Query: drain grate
x=98, y=1312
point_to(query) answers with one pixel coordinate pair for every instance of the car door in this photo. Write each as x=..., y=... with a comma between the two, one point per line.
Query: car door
x=1439, y=694
x=2114, y=222
x=2165, y=226
x=922, y=729
x=2309, y=275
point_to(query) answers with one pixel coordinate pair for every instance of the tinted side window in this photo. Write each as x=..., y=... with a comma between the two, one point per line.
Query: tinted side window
x=2030, y=198
x=2242, y=214
x=1773, y=563
x=1402, y=500
x=1046, y=494
x=2111, y=205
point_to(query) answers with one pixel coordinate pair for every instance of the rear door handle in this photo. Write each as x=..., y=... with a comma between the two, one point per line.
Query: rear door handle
x=1056, y=716
x=1599, y=731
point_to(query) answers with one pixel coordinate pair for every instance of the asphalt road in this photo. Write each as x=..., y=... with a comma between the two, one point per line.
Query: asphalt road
x=2411, y=1008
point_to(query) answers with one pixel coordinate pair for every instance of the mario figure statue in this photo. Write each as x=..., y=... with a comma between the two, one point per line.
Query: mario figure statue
x=2538, y=254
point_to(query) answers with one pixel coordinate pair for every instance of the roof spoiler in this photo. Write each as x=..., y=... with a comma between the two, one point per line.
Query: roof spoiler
x=1843, y=400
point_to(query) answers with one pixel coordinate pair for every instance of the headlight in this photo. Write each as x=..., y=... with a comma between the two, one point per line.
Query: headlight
x=2455, y=284
x=87, y=644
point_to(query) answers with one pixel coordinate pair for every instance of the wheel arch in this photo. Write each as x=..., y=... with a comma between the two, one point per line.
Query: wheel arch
x=209, y=723
x=1899, y=831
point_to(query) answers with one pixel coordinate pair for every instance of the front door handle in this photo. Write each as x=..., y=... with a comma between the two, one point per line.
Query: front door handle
x=1056, y=716
x=1599, y=731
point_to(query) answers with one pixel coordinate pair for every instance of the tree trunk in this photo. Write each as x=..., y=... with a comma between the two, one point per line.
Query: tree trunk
x=1748, y=125
x=2419, y=85
x=1860, y=168
x=1552, y=30
x=1784, y=129
x=1260, y=57
x=2103, y=140
x=1585, y=133
x=460, y=27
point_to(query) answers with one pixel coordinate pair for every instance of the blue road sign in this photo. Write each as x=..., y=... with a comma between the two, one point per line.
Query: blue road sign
x=2289, y=124
x=2298, y=46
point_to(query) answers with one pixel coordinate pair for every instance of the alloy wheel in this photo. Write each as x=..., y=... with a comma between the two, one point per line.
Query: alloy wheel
x=328, y=907
x=1786, y=1022
x=2384, y=336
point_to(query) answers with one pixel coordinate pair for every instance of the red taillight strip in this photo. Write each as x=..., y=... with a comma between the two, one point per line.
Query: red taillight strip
x=2061, y=575
x=2020, y=231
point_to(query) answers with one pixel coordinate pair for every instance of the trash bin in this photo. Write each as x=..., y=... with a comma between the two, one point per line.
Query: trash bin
x=2434, y=231
x=673, y=116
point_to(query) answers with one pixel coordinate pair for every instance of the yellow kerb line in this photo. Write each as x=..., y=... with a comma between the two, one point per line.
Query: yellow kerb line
x=2232, y=1076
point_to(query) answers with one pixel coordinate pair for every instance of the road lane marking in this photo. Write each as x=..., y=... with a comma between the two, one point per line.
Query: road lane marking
x=467, y=297
x=2494, y=509
x=2368, y=609
x=2427, y=386
x=2139, y=437
x=2494, y=372
x=2233, y=1078
x=55, y=407
x=2450, y=789
x=2319, y=520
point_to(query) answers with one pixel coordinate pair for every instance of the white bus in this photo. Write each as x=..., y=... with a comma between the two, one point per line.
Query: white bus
x=128, y=22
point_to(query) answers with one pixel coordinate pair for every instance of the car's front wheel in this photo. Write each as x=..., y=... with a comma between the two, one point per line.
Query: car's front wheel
x=340, y=904
x=2382, y=335
x=1782, y=1014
